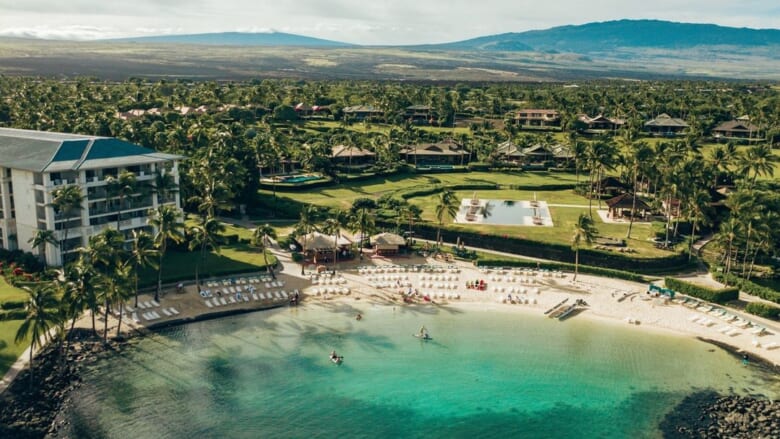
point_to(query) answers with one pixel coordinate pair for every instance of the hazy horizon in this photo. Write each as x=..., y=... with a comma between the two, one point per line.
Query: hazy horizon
x=351, y=21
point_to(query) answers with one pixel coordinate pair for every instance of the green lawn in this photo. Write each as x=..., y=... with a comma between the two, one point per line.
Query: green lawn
x=9, y=351
x=343, y=195
x=231, y=259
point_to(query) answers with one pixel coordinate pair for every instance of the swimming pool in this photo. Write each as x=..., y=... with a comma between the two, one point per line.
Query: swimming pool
x=301, y=178
x=504, y=212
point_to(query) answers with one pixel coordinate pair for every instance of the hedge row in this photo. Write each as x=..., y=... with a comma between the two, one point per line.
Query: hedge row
x=430, y=190
x=606, y=272
x=553, y=251
x=749, y=287
x=721, y=295
x=763, y=310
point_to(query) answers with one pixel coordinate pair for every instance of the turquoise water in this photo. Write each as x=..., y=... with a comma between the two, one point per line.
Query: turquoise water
x=507, y=212
x=301, y=178
x=485, y=374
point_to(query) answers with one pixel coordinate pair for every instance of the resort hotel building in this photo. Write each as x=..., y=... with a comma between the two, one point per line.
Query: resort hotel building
x=35, y=165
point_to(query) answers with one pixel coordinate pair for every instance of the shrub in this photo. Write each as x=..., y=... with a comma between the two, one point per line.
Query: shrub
x=553, y=251
x=749, y=287
x=606, y=272
x=721, y=295
x=763, y=310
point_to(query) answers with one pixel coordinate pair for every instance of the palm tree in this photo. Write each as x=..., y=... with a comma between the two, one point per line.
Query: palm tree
x=303, y=228
x=202, y=237
x=142, y=254
x=696, y=204
x=82, y=293
x=360, y=212
x=41, y=315
x=761, y=161
x=166, y=220
x=729, y=230
x=584, y=233
x=164, y=186
x=333, y=227
x=446, y=207
x=118, y=288
x=40, y=239
x=66, y=200
x=123, y=186
x=260, y=238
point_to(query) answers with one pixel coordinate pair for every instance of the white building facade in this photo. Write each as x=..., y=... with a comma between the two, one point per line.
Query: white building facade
x=35, y=164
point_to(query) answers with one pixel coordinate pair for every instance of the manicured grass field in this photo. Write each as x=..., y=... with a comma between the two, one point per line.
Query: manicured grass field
x=9, y=351
x=343, y=195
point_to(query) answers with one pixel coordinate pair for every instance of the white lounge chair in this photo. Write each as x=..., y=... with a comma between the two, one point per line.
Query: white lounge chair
x=173, y=311
x=208, y=303
x=166, y=312
x=154, y=302
x=222, y=301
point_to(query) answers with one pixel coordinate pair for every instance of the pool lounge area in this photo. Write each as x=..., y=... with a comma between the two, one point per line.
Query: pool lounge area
x=504, y=212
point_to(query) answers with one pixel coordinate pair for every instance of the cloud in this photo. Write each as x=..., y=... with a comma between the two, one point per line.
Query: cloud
x=75, y=32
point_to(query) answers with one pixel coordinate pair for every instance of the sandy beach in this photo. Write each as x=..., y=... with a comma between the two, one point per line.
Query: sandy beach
x=444, y=284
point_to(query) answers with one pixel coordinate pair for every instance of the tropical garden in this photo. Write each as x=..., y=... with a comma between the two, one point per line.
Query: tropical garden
x=726, y=193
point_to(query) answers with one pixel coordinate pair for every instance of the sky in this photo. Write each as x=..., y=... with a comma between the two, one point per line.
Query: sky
x=383, y=22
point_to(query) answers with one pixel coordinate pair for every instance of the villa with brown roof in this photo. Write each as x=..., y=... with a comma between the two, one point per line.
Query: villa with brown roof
x=599, y=124
x=352, y=156
x=736, y=129
x=538, y=118
x=665, y=125
x=447, y=153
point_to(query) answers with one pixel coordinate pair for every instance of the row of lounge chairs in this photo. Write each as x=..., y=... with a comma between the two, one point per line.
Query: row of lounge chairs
x=328, y=280
x=516, y=290
x=239, y=281
x=277, y=295
x=443, y=277
x=510, y=279
x=320, y=291
x=518, y=299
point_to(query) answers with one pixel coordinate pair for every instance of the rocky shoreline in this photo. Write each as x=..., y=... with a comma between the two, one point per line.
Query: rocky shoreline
x=28, y=412
x=709, y=415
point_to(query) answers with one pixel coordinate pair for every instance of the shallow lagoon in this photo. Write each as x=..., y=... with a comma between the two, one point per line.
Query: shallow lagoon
x=485, y=374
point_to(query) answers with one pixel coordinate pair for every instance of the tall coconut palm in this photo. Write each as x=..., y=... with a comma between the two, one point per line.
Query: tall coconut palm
x=164, y=186
x=332, y=227
x=142, y=254
x=66, y=201
x=166, y=220
x=123, y=186
x=83, y=293
x=40, y=239
x=118, y=289
x=303, y=228
x=42, y=315
x=446, y=208
x=584, y=233
x=726, y=236
x=205, y=236
x=361, y=215
x=261, y=237
x=762, y=161
x=696, y=206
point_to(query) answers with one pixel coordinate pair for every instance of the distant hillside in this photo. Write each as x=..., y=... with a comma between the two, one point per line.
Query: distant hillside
x=625, y=34
x=238, y=39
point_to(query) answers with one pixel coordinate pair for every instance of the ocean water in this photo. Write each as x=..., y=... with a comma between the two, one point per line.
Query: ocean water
x=485, y=374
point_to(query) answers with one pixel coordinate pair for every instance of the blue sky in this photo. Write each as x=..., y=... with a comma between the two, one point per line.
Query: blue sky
x=357, y=21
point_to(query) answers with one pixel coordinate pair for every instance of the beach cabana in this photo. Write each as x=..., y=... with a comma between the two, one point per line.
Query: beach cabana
x=320, y=247
x=387, y=243
x=620, y=206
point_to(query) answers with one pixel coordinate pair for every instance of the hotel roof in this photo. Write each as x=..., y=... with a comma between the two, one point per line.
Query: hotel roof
x=41, y=151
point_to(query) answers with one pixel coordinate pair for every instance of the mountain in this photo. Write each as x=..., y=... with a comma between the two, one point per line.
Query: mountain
x=620, y=34
x=237, y=39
